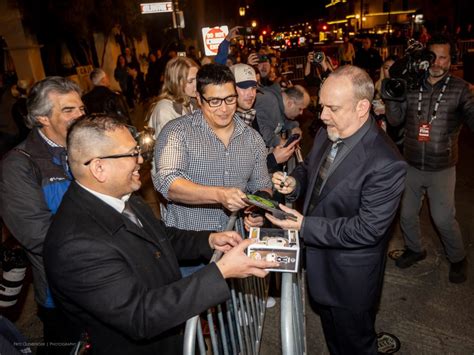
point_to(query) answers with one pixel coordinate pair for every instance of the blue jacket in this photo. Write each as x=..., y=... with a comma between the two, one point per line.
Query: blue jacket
x=33, y=179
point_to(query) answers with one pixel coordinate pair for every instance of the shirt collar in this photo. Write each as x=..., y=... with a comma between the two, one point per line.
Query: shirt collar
x=351, y=141
x=47, y=140
x=117, y=204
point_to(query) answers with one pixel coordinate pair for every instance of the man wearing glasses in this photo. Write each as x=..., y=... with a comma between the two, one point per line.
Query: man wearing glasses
x=113, y=267
x=206, y=161
x=34, y=177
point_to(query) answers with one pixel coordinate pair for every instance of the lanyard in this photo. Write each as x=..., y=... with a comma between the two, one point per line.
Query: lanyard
x=435, y=110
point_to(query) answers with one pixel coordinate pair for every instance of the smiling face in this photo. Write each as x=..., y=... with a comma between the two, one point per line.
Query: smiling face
x=66, y=109
x=123, y=175
x=219, y=117
x=341, y=114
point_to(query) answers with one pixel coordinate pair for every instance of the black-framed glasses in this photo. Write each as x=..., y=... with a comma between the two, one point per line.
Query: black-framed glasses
x=216, y=101
x=135, y=154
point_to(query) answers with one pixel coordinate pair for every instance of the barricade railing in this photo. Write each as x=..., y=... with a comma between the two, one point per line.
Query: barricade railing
x=235, y=326
x=293, y=327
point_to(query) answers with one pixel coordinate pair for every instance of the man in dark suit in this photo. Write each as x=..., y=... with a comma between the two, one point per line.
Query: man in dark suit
x=113, y=267
x=348, y=208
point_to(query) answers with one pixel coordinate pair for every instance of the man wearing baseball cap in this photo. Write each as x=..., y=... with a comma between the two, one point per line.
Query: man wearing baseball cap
x=246, y=83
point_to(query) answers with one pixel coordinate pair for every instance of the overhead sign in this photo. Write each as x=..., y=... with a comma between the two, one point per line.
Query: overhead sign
x=155, y=7
x=212, y=37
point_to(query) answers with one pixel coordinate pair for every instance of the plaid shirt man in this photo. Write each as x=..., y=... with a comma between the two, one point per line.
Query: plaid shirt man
x=188, y=148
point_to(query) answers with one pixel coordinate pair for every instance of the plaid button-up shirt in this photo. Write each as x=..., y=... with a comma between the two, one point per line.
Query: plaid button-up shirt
x=188, y=148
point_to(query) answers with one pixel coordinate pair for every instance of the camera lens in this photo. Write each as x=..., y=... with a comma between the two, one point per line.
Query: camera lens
x=318, y=57
x=395, y=88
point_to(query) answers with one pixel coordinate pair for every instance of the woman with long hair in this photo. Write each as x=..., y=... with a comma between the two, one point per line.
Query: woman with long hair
x=178, y=93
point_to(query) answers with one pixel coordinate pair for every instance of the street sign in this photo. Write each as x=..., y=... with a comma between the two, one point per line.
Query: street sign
x=212, y=37
x=155, y=7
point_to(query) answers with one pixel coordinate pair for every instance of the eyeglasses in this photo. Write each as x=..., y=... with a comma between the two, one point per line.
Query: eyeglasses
x=137, y=153
x=216, y=102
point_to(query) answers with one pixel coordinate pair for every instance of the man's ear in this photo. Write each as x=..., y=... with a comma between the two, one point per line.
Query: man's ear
x=98, y=170
x=363, y=107
x=43, y=120
x=199, y=99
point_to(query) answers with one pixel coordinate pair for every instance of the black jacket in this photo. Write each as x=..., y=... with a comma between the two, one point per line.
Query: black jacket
x=103, y=100
x=121, y=282
x=347, y=232
x=456, y=108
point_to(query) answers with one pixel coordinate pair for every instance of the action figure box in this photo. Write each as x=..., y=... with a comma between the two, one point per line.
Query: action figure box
x=278, y=245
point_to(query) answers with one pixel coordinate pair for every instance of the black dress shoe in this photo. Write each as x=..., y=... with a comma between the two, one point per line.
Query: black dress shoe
x=458, y=271
x=409, y=257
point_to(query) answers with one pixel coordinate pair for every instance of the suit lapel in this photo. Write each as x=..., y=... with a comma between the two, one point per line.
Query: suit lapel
x=107, y=217
x=350, y=163
x=315, y=170
x=148, y=231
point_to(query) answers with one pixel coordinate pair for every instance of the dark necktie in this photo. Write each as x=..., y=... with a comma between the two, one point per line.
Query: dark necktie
x=323, y=173
x=128, y=212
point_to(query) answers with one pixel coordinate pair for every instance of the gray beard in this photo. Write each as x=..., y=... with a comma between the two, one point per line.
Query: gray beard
x=333, y=136
x=437, y=74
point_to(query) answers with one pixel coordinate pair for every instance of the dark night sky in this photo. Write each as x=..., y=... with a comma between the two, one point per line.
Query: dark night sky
x=288, y=12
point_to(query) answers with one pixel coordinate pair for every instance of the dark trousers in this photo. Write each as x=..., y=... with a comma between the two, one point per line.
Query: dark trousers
x=347, y=332
x=59, y=334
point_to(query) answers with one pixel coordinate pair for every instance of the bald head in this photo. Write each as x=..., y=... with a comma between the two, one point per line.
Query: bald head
x=362, y=84
x=295, y=100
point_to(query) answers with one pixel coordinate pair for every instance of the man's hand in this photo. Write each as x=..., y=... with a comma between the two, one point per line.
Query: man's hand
x=231, y=198
x=252, y=219
x=287, y=223
x=235, y=264
x=233, y=33
x=224, y=241
x=283, y=184
x=283, y=154
x=252, y=59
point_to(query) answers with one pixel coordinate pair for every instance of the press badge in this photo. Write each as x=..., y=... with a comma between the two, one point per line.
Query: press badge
x=424, y=132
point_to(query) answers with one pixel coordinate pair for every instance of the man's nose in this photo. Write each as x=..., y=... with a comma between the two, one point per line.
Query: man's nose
x=323, y=114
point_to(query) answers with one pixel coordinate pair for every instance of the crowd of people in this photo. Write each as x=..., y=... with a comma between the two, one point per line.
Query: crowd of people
x=105, y=269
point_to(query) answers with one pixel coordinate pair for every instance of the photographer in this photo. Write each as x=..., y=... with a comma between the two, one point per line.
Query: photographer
x=318, y=67
x=433, y=113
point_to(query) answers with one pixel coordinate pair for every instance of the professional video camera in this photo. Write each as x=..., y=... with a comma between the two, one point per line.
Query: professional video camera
x=408, y=72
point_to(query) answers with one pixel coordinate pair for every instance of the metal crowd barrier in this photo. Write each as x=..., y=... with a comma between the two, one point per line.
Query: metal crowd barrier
x=236, y=326
x=293, y=326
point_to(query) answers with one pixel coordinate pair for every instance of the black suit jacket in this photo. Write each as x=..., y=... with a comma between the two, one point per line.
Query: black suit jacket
x=122, y=283
x=346, y=233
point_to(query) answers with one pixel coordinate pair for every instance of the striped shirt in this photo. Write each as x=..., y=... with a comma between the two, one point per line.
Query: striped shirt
x=188, y=148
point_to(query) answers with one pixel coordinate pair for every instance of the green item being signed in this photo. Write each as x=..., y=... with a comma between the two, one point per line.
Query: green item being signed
x=270, y=206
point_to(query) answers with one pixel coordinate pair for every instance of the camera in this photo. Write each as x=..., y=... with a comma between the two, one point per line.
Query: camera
x=407, y=72
x=318, y=57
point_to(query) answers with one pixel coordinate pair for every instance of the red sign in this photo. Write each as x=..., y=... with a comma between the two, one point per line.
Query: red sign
x=212, y=37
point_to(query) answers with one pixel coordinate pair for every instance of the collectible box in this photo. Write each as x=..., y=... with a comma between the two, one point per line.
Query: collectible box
x=278, y=245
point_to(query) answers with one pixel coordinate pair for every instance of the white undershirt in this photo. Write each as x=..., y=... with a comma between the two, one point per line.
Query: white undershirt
x=117, y=204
